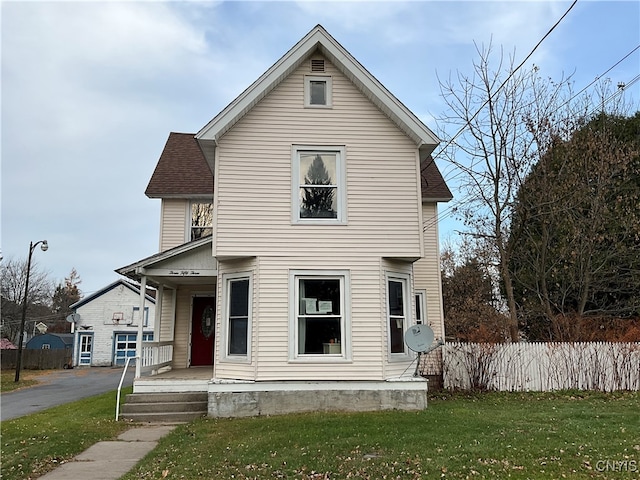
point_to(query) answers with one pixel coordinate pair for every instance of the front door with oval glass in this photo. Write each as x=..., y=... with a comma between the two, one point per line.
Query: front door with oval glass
x=203, y=321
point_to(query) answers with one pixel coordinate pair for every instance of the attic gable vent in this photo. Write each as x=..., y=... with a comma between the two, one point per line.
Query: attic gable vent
x=317, y=65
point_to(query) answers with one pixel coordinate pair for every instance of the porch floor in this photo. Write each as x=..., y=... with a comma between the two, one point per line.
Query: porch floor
x=192, y=373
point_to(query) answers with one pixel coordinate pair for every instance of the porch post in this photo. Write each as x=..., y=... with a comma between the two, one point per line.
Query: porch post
x=143, y=292
x=158, y=316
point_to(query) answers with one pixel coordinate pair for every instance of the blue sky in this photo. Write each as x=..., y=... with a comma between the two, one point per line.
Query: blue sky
x=91, y=90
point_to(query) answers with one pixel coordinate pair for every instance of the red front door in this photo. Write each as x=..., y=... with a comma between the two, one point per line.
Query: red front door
x=203, y=321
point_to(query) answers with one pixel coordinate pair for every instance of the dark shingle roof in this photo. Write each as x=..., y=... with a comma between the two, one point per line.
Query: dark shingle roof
x=434, y=187
x=182, y=170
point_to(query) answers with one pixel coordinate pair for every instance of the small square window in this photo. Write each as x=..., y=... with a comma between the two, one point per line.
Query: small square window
x=317, y=91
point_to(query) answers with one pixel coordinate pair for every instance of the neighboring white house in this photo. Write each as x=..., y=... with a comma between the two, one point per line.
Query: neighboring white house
x=107, y=329
x=298, y=243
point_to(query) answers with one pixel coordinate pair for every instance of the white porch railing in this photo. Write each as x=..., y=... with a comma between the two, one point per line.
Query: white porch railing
x=155, y=355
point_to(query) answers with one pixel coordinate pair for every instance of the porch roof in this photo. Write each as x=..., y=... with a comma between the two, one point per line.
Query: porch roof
x=189, y=263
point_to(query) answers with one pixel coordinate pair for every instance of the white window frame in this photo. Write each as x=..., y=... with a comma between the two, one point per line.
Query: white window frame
x=328, y=81
x=420, y=298
x=189, y=226
x=227, y=279
x=406, y=319
x=340, y=183
x=344, y=277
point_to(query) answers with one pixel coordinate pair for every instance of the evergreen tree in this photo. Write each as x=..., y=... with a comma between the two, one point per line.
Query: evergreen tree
x=317, y=200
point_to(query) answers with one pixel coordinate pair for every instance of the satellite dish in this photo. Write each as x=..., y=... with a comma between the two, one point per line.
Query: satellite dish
x=419, y=338
x=73, y=318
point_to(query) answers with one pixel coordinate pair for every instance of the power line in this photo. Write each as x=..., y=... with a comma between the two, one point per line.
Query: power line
x=511, y=74
x=450, y=210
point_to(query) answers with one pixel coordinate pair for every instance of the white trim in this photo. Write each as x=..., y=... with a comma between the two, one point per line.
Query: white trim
x=405, y=280
x=344, y=276
x=420, y=296
x=340, y=184
x=328, y=81
x=225, y=356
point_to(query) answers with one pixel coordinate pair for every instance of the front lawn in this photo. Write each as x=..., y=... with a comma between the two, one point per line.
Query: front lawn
x=493, y=435
x=35, y=444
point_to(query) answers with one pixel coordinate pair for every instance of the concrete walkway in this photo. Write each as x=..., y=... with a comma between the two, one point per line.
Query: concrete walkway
x=112, y=459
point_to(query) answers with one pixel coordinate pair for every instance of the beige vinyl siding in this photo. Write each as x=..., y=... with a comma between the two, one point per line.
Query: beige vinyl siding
x=254, y=177
x=173, y=222
x=367, y=334
x=396, y=367
x=223, y=368
x=166, y=327
x=426, y=274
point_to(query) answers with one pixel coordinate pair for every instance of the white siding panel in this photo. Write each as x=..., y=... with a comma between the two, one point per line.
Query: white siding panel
x=172, y=223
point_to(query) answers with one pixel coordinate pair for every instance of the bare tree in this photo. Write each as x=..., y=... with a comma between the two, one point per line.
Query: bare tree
x=14, y=275
x=497, y=109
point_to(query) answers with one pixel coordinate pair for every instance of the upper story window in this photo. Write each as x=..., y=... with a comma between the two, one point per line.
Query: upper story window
x=318, y=91
x=201, y=220
x=318, y=185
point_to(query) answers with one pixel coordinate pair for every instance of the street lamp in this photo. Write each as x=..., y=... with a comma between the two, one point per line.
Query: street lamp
x=44, y=247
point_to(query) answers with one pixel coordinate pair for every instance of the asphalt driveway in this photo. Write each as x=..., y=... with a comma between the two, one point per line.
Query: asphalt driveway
x=62, y=386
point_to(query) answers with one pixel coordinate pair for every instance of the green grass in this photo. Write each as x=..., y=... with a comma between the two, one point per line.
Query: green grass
x=8, y=383
x=37, y=443
x=573, y=435
x=490, y=435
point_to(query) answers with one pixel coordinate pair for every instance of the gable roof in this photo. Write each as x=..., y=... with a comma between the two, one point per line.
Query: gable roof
x=318, y=40
x=134, y=288
x=182, y=170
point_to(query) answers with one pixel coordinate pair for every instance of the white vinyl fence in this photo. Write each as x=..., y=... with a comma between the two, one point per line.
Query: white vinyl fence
x=605, y=366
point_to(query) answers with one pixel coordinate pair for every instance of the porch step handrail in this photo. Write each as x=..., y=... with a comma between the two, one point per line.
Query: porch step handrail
x=124, y=372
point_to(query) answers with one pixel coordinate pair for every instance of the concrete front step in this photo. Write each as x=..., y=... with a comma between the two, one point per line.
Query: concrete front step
x=164, y=407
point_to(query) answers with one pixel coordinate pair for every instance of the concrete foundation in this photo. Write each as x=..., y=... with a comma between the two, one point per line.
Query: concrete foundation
x=277, y=398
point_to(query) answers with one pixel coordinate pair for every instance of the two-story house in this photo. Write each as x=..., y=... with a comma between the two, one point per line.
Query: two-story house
x=298, y=243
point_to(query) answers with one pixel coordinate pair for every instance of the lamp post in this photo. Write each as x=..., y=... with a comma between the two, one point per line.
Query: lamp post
x=44, y=247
